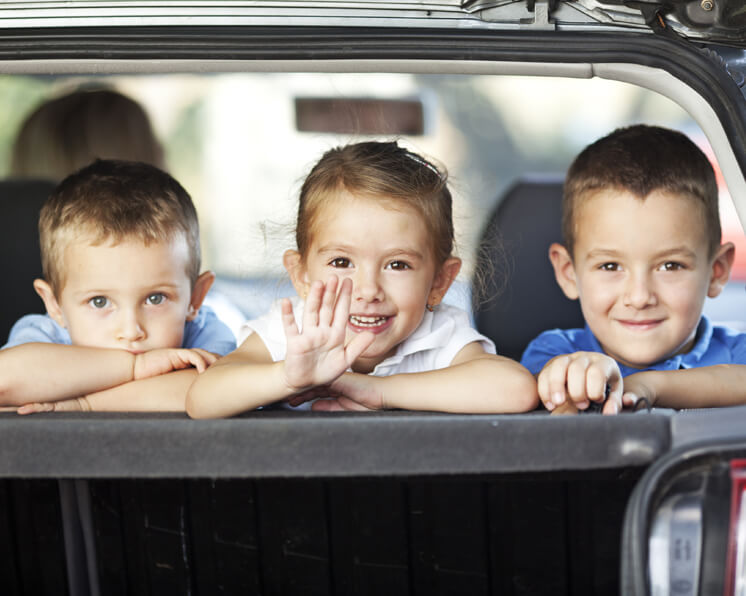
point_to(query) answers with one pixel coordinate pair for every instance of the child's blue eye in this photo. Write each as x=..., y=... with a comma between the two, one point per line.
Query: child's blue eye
x=340, y=263
x=155, y=299
x=99, y=302
x=398, y=265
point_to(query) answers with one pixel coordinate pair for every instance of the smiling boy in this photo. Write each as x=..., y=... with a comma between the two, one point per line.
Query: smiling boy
x=125, y=328
x=642, y=249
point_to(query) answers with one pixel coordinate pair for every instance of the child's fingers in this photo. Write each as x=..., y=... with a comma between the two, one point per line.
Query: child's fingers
x=611, y=407
x=338, y=404
x=630, y=399
x=577, y=374
x=312, y=306
x=329, y=297
x=308, y=395
x=36, y=407
x=565, y=409
x=358, y=345
x=342, y=306
x=327, y=405
x=557, y=380
x=542, y=385
x=208, y=357
x=191, y=357
x=595, y=382
x=288, y=318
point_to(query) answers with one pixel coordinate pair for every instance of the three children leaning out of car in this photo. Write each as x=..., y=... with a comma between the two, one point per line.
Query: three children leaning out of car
x=126, y=330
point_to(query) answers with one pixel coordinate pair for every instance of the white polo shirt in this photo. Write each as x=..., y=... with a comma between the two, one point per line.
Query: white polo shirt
x=433, y=345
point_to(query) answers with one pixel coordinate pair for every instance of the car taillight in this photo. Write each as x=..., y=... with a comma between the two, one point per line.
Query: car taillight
x=735, y=569
x=675, y=546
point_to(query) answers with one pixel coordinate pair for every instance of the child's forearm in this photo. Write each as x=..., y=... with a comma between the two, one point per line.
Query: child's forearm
x=230, y=388
x=484, y=385
x=705, y=387
x=40, y=372
x=164, y=393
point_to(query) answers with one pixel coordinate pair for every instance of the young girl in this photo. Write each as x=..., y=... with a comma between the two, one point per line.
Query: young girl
x=373, y=263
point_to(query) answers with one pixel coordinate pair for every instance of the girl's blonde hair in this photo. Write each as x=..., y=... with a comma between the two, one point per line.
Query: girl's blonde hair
x=384, y=171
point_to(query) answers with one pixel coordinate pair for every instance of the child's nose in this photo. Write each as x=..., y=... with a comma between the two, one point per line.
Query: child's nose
x=130, y=327
x=366, y=285
x=639, y=292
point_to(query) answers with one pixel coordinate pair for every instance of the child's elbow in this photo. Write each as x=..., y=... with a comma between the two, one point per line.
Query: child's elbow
x=194, y=406
x=527, y=394
x=524, y=393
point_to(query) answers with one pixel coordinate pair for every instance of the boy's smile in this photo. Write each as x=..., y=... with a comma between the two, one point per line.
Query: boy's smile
x=127, y=295
x=642, y=270
x=385, y=249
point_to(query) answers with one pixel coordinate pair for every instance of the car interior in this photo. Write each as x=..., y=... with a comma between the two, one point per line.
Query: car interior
x=281, y=502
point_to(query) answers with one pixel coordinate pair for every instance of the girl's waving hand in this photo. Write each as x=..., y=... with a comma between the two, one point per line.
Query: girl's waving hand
x=316, y=354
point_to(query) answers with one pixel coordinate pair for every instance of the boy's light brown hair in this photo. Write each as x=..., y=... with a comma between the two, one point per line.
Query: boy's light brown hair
x=112, y=201
x=641, y=159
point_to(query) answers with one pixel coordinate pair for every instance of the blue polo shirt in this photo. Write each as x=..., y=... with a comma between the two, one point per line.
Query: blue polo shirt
x=713, y=345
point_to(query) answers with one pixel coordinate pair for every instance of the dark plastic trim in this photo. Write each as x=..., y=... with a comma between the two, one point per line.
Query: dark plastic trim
x=275, y=444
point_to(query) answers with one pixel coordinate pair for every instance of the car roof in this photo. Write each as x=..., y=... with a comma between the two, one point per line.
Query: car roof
x=701, y=19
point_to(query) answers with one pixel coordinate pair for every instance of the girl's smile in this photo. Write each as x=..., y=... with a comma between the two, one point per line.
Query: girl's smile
x=373, y=324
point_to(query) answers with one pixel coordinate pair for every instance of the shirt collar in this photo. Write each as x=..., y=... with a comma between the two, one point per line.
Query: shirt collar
x=688, y=359
x=423, y=338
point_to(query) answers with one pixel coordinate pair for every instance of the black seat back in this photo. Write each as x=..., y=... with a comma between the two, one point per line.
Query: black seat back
x=525, y=222
x=20, y=202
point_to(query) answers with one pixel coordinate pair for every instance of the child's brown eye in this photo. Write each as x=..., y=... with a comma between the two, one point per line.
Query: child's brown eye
x=340, y=262
x=609, y=267
x=672, y=266
x=399, y=265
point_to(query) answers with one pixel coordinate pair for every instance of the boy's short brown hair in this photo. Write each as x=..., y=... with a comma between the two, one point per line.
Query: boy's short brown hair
x=114, y=200
x=641, y=159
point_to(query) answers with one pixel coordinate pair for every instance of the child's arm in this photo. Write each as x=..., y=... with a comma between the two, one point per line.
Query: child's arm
x=705, y=387
x=164, y=393
x=569, y=382
x=42, y=372
x=475, y=382
x=247, y=378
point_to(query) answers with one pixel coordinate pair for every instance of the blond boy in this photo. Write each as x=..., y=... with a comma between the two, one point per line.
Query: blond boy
x=125, y=328
x=642, y=250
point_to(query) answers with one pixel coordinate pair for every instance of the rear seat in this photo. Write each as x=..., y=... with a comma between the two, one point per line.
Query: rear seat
x=514, y=310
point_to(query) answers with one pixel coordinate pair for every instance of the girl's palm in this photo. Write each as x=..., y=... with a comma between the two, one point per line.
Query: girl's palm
x=317, y=355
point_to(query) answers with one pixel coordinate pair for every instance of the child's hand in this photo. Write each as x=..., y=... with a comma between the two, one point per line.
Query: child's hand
x=317, y=355
x=351, y=391
x=78, y=404
x=572, y=381
x=636, y=388
x=163, y=360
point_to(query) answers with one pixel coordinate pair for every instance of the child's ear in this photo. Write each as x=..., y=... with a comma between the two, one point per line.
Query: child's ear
x=443, y=280
x=564, y=270
x=721, y=266
x=199, y=292
x=293, y=263
x=50, y=301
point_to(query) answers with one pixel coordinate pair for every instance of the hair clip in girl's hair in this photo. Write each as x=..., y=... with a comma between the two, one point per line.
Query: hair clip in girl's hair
x=423, y=162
